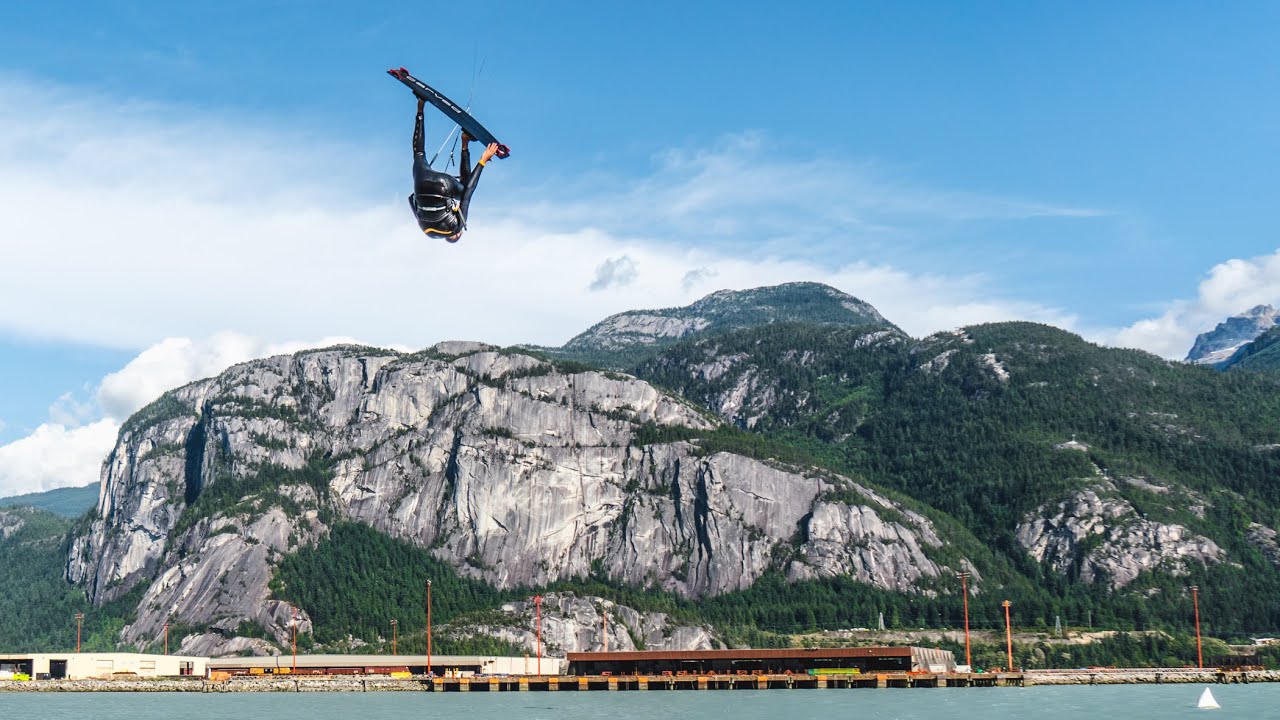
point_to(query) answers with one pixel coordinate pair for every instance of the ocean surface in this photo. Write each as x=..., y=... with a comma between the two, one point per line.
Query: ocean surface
x=1256, y=701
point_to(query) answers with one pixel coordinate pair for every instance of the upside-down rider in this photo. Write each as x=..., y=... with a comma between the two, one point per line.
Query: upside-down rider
x=440, y=200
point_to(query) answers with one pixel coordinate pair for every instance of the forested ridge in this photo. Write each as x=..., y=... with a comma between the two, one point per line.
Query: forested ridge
x=978, y=445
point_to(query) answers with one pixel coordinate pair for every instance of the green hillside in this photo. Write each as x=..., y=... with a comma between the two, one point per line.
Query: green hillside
x=980, y=449
x=67, y=502
x=1258, y=356
x=37, y=606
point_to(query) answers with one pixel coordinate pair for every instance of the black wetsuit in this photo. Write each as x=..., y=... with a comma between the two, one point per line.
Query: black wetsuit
x=440, y=200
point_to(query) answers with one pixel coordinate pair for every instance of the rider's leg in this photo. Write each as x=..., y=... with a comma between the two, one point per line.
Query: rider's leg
x=418, y=142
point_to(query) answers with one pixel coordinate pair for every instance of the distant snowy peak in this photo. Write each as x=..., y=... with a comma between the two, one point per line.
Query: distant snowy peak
x=1219, y=344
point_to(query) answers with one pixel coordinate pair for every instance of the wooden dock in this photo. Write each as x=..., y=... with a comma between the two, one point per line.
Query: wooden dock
x=719, y=682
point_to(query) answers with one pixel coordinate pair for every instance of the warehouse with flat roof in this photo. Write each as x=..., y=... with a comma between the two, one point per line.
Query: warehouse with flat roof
x=90, y=665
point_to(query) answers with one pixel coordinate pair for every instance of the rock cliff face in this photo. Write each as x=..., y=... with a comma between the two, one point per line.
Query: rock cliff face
x=508, y=469
x=1264, y=539
x=1099, y=535
x=10, y=523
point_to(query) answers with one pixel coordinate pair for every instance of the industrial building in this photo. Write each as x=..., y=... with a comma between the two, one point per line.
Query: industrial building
x=85, y=666
x=780, y=661
x=441, y=665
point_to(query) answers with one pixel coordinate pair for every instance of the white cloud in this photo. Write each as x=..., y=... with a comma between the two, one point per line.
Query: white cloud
x=1230, y=288
x=55, y=456
x=159, y=226
x=614, y=272
x=173, y=362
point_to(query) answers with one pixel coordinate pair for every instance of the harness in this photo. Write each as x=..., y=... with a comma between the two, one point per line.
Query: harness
x=454, y=206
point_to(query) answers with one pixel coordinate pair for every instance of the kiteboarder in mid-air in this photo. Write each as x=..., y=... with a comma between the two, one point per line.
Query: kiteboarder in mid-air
x=440, y=201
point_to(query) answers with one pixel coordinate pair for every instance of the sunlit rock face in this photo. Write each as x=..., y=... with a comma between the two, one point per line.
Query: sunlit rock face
x=508, y=469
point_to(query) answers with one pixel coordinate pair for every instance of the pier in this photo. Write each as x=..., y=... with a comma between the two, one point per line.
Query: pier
x=581, y=683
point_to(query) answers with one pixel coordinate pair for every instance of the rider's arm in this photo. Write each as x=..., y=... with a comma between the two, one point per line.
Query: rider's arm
x=464, y=167
x=474, y=178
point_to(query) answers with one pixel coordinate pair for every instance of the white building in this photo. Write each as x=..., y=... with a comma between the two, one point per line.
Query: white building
x=82, y=666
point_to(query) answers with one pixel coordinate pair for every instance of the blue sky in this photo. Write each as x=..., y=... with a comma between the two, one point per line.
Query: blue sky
x=1108, y=167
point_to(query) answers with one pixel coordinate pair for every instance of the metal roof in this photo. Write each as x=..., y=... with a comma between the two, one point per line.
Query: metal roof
x=286, y=660
x=767, y=654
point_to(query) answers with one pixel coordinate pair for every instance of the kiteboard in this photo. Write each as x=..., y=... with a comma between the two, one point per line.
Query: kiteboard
x=450, y=108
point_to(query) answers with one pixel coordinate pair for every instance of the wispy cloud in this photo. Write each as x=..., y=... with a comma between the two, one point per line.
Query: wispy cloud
x=68, y=449
x=127, y=223
x=749, y=194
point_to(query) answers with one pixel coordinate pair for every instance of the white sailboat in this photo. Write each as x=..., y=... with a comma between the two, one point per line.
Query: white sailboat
x=1207, y=702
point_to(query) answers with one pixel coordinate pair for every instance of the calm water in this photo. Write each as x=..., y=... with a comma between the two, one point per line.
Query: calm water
x=1256, y=701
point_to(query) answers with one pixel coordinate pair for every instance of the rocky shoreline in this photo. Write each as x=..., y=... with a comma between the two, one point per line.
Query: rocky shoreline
x=238, y=684
x=1144, y=676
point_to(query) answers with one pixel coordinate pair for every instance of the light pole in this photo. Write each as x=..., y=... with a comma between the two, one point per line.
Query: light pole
x=166, y=637
x=537, y=603
x=79, y=621
x=1008, y=632
x=428, y=627
x=604, y=626
x=964, y=590
x=394, y=622
x=293, y=626
x=1195, y=599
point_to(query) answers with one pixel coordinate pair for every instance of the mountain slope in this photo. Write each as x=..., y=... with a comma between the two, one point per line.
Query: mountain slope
x=1217, y=345
x=624, y=339
x=509, y=470
x=67, y=502
x=1090, y=469
x=38, y=607
x=1261, y=354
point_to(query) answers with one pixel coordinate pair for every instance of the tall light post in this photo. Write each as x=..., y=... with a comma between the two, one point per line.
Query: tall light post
x=537, y=603
x=1195, y=599
x=604, y=626
x=428, y=627
x=79, y=621
x=293, y=626
x=964, y=590
x=166, y=637
x=394, y=622
x=1008, y=632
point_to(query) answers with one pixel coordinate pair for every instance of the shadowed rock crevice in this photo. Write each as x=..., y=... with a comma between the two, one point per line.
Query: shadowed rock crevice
x=194, y=447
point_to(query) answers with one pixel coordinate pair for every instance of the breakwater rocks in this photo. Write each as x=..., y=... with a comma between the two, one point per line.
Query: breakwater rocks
x=237, y=684
x=157, y=685
x=1145, y=676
